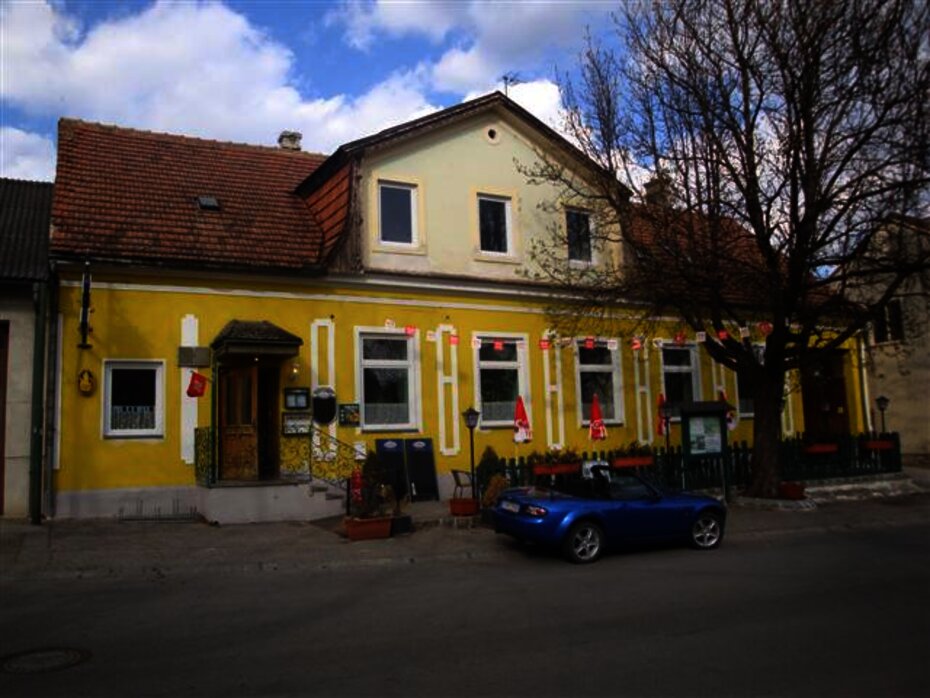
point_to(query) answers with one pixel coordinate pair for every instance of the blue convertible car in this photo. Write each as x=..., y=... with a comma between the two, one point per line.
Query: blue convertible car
x=608, y=508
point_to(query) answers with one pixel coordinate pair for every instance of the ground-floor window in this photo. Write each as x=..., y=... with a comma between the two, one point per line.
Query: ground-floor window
x=387, y=367
x=133, y=397
x=597, y=371
x=681, y=380
x=500, y=374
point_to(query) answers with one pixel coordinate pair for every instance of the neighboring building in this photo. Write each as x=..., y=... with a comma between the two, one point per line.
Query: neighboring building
x=900, y=353
x=25, y=209
x=389, y=271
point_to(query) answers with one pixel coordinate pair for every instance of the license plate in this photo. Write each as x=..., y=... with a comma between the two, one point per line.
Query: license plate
x=510, y=506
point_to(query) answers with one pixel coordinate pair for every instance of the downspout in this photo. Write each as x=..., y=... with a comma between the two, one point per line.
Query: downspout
x=864, y=384
x=40, y=301
x=52, y=397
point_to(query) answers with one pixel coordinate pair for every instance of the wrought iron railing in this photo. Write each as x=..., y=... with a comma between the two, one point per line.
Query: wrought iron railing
x=801, y=459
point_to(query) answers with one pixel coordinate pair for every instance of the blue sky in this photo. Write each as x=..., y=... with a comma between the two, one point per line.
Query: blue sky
x=244, y=71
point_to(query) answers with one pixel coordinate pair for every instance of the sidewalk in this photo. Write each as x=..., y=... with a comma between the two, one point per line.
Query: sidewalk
x=110, y=548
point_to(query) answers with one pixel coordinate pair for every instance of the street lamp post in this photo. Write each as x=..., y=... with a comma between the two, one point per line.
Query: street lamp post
x=471, y=416
x=882, y=403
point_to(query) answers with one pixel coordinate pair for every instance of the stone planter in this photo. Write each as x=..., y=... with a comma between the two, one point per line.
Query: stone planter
x=368, y=529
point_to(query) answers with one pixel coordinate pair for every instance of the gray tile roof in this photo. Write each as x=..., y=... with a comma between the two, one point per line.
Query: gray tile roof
x=25, y=213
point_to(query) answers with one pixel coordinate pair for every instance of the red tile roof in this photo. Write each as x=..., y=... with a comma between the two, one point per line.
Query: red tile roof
x=131, y=196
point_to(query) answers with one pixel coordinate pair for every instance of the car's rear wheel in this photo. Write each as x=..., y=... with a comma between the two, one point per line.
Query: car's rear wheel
x=707, y=531
x=584, y=542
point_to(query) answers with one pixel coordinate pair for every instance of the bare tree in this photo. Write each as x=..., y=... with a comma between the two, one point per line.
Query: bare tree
x=781, y=138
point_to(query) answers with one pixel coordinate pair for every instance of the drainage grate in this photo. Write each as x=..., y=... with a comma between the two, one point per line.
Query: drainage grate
x=43, y=660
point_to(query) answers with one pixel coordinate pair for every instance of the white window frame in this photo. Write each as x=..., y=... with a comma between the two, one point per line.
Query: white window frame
x=694, y=370
x=414, y=232
x=580, y=263
x=759, y=350
x=508, y=222
x=156, y=432
x=615, y=369
x=412, y=364
x=521, y=365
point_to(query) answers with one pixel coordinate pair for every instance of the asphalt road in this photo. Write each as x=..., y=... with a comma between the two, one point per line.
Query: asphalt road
x=825, y=613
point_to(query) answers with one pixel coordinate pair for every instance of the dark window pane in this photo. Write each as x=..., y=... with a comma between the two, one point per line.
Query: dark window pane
x=602, y=383
x=676, y=357
x=499, y=390
x=245, y=401
x=492, y=217
x=132, y=398
x=579, y=235
x=396, y=214
x=895, y=321
x=598, y=356
x=507, y=352
x=385, y=396
x=678, y=389
x=384, y=348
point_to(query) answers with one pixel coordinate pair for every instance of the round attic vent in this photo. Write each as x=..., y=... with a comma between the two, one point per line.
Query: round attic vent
x=493, y=135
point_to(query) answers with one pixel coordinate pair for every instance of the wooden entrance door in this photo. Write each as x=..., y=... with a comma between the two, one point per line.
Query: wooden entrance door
x=239, y=423
x=823, y=388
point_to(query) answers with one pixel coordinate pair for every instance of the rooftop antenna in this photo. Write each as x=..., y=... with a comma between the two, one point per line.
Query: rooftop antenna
x=510, y=78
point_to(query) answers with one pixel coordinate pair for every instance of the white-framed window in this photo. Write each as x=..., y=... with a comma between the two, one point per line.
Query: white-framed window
x=746, y=387
x=888, y=325
x=494, y=224
x=397, y=213
x=597, y=371
x=133, y=398
x=680, y=376
x=578, y=229
x=501, y=374
x=387, y=379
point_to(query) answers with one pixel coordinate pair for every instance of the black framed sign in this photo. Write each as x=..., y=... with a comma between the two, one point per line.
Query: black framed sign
x=297, y=398
x=295, y=423
x=349, y=414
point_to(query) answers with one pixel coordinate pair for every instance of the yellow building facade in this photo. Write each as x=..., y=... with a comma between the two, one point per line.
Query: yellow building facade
x=421, y=312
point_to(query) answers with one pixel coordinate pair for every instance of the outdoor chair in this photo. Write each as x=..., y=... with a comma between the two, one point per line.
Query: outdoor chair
x=462, y=481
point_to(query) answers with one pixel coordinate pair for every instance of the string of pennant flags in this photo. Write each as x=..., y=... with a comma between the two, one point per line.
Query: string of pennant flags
x=636, y=342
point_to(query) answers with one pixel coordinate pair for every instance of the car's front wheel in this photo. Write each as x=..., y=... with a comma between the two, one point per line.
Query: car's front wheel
x=707, y=531
x=584, y=542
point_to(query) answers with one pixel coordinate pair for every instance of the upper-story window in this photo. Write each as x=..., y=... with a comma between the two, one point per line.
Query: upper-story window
x=680, y=376
x=578, y=227
x=398, y=213
x=889, y=323
x=494, y=224
x=746, y=386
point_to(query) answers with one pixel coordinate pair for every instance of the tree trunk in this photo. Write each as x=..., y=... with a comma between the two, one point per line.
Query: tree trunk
x=766, y=431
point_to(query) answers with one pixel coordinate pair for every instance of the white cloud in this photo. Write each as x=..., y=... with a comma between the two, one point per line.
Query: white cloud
x=25, y=155
x=542, y=98
x=498, y=37
x=199, y=69
x=364, y=20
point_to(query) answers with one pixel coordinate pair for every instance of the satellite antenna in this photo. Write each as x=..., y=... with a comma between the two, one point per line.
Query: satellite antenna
x=510, y=78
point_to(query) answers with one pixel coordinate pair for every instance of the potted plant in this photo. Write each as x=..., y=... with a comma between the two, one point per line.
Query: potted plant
x=369, y=498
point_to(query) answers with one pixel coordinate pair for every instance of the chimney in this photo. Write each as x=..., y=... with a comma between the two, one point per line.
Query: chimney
x=658, y=190
x=290, y=140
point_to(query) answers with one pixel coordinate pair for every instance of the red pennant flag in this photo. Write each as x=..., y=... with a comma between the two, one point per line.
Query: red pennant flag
x=410, y=330
x=453, y=340
x=498, y=346
x=589, y=343
x=681, y=338
x=544, y=344
x=766, y=327
x=198, y=385
x=596, y=430
x=522, y=432
x=636, y=343
x=722, y=334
